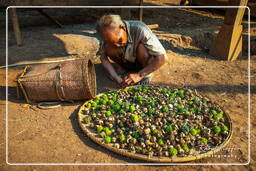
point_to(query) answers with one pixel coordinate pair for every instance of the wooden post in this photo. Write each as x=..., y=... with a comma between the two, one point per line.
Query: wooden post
x=141, y=11
x=16, y=26
x=42, y=12
x=228, y=43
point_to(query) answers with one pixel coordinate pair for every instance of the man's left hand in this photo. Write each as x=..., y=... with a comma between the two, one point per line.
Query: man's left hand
x=132, y=78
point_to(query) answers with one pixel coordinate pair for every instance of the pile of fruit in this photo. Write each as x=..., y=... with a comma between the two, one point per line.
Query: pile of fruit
x=156, y=121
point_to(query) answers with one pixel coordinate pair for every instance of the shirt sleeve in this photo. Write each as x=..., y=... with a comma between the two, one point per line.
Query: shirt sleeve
x=151, y=42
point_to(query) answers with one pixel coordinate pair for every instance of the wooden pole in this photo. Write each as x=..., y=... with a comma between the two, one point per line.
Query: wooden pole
x=141, y=11
x=42, y=12
x=16, y=26
x=228, y=43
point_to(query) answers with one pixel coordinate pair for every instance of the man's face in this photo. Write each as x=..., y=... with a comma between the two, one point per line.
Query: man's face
x=115, y=37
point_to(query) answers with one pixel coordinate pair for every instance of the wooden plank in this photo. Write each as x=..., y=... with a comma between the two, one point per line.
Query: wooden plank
x=228, y=43
x=42, y=12
x=234, y=16
x=16, y=26
x=251, y=4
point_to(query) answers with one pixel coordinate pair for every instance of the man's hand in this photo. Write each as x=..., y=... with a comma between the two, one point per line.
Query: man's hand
x=132, y=78
x=119, y=80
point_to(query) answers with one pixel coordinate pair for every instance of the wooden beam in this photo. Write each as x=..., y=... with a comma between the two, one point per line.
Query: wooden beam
x=141, y=11
x=16, y=26
x=42, y=12
x=228, y=43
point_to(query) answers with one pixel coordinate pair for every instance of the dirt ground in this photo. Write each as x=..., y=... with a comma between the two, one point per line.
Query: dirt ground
x=54, y=136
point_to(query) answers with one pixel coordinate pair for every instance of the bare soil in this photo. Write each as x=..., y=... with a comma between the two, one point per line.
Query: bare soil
x=54, y=136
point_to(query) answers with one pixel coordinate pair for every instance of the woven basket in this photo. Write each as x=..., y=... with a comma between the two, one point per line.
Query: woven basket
x=62, y=81
x=94, y=136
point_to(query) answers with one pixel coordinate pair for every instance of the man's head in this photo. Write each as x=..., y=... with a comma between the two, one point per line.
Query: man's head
x=112, y=30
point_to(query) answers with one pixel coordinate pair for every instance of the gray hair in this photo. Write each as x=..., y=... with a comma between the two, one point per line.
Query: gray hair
x=112, y=21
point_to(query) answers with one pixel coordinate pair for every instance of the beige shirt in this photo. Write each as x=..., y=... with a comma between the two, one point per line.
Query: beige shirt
x=138, y=32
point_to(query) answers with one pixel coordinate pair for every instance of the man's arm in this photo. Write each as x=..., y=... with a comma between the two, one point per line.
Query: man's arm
x=154, y=65
x=107, y=65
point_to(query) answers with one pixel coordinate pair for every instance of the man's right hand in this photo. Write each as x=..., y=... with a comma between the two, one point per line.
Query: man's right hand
x=119, y=80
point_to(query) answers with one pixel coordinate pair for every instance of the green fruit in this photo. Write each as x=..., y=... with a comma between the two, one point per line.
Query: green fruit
x=110, y=102
x=173, y=151
x=181, y=94
x=108, y=113
x=184, y=128
x=95, y=111
x=217, y=117
x=106, y=129
x=126, y=106
x=193, y=110
x=171, y=101
x=185, y=148
x=179, y=106
x=139, y=98
x=99, y=128
x=151, y=111
x=132, y=108
x=169, y=128
x=155, y=132
x=119, y=102
x=180, y=110
x=145, y=90
x=164, y=91
x=108, y=132
x=187, y=112
x=101, y=101
x=169, y=92
x=135, y=134
x=114, y=98
x=216, y=129
x=193, y=131
x=172, y=95
x=121, y=112
x=204, y=140
x=116, y=107
x=94, y=104
x=107, y=139
x=122, y=138
x=99, y=107
x=88, y=105
x=224, y=128
x=214, y=112
x=190, y=103
x=152, y=103
x=165, y=108
x=135, y=118
x=160, y=142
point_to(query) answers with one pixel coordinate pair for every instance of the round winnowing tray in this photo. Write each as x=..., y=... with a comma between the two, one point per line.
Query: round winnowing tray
x=209, y=148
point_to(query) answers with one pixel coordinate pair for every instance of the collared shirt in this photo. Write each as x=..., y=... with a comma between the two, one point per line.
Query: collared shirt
x=138, y=32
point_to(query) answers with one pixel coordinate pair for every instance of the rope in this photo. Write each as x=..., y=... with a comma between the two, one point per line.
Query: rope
x=38, y=62
x=48, y=105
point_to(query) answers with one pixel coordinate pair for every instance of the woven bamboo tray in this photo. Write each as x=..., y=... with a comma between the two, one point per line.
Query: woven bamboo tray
x=94, y=136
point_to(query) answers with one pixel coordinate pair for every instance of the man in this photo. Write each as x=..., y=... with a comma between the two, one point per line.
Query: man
x=132, y=46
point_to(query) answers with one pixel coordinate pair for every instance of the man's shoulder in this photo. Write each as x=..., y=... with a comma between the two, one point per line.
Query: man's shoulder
x=134, y=23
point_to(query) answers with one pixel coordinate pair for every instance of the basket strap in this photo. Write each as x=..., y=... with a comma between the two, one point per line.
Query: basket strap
x=37, y=74
x=21, y=86
x=58, y=86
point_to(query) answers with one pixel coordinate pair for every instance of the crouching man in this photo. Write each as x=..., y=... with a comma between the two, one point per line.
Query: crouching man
x=132, y=46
